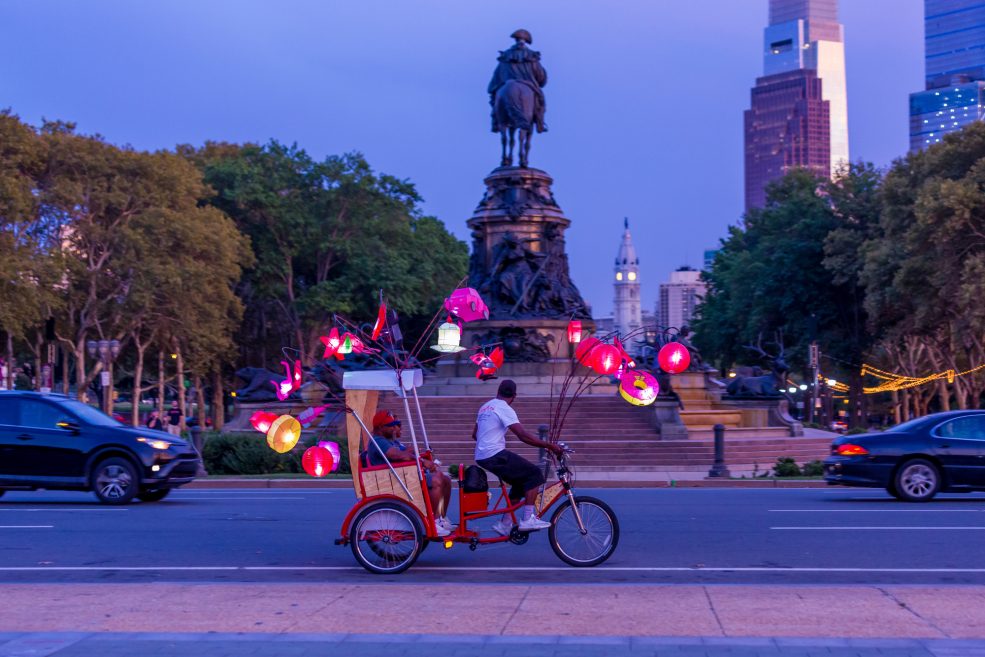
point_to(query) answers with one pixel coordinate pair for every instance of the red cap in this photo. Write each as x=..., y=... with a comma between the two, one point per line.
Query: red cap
x=382, y=418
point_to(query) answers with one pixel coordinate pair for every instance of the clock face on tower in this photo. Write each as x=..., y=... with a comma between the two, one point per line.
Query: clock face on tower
x=618, y=275
x=632, y=276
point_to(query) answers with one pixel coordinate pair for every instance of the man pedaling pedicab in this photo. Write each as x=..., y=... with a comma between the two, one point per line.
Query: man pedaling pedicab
x=386, y=434
x=494, y=419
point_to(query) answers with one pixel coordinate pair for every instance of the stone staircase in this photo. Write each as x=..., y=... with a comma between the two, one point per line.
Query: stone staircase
x=703, y=409
x=608, y=433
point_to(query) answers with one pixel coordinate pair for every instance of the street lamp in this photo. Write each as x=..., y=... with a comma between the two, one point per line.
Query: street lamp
x=107, y=350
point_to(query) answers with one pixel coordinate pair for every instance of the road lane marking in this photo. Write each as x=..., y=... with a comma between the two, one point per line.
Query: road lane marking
x=26, y=526
x=877, y=510
x=212, y=497
x=899, y=527
x=644, y=569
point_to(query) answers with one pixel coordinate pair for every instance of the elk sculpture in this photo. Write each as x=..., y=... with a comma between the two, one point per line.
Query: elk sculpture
x=767, y=385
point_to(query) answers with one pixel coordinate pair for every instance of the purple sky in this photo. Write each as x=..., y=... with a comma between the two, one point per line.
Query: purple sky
x=644, y=99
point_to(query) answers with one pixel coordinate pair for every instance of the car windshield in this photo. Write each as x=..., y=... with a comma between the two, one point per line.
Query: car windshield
x=908, y=426
x=89, y=415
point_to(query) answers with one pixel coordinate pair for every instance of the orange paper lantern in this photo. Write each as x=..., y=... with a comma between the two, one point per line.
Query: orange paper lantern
x=284, y=434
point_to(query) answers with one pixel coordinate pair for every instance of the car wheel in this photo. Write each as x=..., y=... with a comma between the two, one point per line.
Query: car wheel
x=917, y=480
x=891, y=489
x=114, y=481
x=153, y=495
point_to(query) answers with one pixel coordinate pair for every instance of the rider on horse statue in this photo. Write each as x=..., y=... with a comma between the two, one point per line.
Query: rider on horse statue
x=516, y=96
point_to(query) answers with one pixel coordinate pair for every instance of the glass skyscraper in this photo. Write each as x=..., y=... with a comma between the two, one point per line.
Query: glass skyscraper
x=954, y=71
x=798, y=115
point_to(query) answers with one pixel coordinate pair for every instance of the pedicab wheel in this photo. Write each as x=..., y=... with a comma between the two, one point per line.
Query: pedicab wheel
x=386, y=538
x=597, y=543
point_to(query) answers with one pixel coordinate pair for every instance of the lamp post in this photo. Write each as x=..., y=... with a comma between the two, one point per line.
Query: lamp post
x=107, y=350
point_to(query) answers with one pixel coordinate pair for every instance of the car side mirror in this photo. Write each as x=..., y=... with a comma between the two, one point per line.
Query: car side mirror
x=69, y=426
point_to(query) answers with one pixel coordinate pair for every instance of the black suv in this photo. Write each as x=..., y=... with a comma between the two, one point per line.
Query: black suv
x=58, y=443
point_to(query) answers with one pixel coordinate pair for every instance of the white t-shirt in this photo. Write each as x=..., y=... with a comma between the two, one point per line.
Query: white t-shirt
x=495, y=417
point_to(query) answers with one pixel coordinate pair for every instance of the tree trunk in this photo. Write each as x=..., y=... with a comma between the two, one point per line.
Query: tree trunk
x=160, y=382
x=10, y=362
x=905, y=406
x=180, y=364
x=944, y=394
x=897, y=415
x=138, y=374
x=38, y=346
x=218, y=403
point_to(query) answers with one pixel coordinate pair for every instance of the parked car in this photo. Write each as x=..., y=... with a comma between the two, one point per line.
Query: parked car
x=839, y=425
x=942, y=452
x=58, y=443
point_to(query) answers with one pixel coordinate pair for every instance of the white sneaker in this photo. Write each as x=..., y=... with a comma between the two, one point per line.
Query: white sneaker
x=440, y=530
x=444, y=523
x=502, y=528
x=532, y=524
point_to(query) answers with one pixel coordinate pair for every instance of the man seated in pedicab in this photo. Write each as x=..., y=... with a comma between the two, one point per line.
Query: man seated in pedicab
x=386, y=436
x=495, y=418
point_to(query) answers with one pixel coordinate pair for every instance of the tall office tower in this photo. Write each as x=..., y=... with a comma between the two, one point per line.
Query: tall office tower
x=680, y=297
x=954, y=71
x=626, y=305
x=798, y=115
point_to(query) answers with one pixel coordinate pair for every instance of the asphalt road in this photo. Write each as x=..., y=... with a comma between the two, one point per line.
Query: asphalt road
x=685, y=536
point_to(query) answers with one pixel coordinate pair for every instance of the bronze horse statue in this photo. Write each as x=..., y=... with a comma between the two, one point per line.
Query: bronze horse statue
x=513, y=110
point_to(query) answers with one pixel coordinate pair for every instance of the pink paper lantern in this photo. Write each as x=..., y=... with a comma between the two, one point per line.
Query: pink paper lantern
x=674, y=358
x=333, y=449
x=261, y=421
x=638, y=388
x=585, y=352
x=466, y=304
x=607, y=359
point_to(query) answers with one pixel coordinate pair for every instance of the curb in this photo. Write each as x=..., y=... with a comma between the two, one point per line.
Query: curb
x=206, y=483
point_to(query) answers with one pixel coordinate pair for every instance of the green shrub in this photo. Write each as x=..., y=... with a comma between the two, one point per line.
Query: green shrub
x=855, y=431
x=248, y=453
x=812, y=469
x=786, y=467
x=453, y=471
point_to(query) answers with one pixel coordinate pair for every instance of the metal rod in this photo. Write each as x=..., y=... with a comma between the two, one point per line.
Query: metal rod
x=399, y=479
x=420, y=417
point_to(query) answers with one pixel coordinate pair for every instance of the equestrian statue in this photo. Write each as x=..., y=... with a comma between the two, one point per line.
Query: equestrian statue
x=517, y=97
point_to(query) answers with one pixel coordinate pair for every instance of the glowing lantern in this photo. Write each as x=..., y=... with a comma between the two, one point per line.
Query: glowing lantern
x=333, y=449
x=466, y=304
x=291, y=383
x=585, y=352
x=622, y=352
x=574, y=331
x=449, y=338
x=380, y=320
x=310, y=414
x=283, y=434
x=332, y=342
x=261, y=421
x=606, y=359
x=346, y=346
x=638, y=388
x=317, y=461
x=488, y=364
x=674, y=358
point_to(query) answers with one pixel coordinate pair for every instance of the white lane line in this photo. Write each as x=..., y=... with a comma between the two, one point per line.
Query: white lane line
x=72, y=510
x=877, y=510
x=651, y=569
x=26, y=526
x=886, y=528
x=212, y=497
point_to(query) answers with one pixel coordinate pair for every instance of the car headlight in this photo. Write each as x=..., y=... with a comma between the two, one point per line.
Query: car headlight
x=156, y=443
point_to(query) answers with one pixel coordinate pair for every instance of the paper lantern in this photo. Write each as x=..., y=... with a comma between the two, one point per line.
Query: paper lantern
x=332, y=342
x=623, y=353
x=639, y=388
x=293, y=381
x=317, y=461
x=606, y=359
x=333, y=449
x=674, y=358
x=283, y=434
x=488, y=365
x=380, y=320
x=310, y=414
x=585, y=351
x=449, y=338
x=574, y=331
x=261, y=421
x=466, y=304
x=346, y=346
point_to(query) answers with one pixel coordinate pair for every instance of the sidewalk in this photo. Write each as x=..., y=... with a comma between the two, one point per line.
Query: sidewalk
x=67, y=644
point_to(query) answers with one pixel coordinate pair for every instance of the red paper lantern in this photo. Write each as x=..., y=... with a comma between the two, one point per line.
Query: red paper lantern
x=607, y=359
x=585, y=352
x=674, y=358
x=317, y=461
x=574, y=331
x=261, y=421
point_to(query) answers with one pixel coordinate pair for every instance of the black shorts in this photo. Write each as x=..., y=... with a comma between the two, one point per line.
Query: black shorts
x=518, y=472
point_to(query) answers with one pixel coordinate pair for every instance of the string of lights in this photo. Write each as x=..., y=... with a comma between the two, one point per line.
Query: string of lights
x=892, y=382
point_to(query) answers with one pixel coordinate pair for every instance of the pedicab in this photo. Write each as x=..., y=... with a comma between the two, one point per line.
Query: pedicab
x=392, y=521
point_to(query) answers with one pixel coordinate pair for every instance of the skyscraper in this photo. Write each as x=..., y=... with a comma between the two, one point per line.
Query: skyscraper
x=626, y=305
x=798, y=115
x=679, y=297
x=954, y=71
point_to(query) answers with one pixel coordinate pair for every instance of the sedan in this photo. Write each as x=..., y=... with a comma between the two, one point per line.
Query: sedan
x=915, y=460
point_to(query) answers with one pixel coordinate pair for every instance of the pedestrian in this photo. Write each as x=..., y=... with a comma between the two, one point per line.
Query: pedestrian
x=174, y=419
x=154, y=421
x=495, y=418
